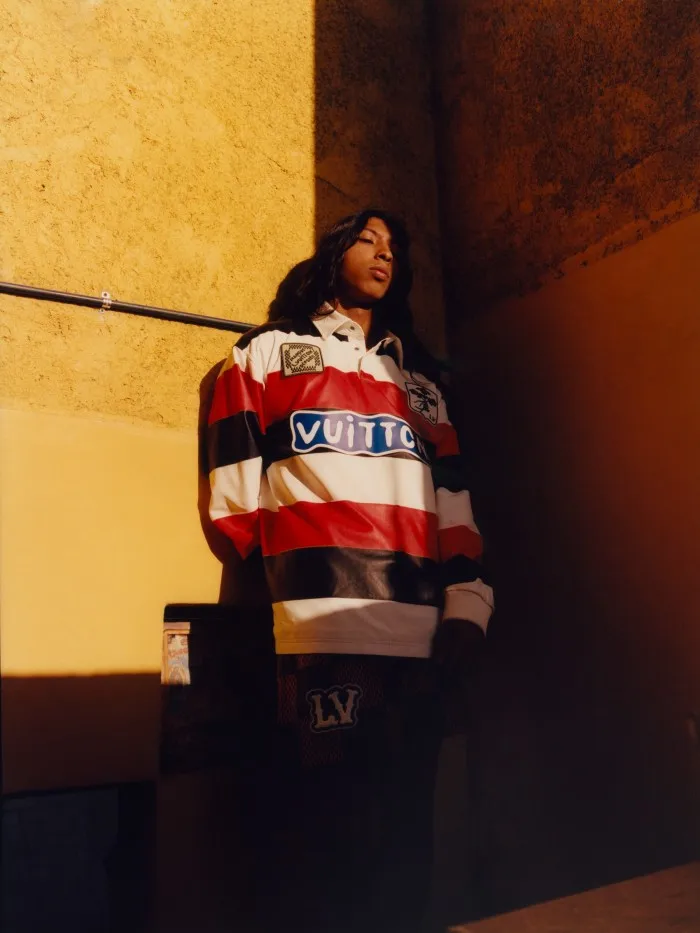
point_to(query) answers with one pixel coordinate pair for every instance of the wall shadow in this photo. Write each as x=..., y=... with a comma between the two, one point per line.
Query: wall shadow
x=178, y=845
x=228, y=705
x=75, y=731
x=80, y=858
x=374, y=138
x=214, y=805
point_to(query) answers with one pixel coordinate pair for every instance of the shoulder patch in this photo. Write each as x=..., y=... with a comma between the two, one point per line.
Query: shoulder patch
x=299, y=358
x=423, y=400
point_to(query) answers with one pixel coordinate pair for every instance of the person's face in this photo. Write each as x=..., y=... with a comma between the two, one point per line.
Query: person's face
x=368, y=266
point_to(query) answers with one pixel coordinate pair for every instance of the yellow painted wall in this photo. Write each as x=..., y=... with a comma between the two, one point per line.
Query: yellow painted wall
x=133, y=543
x=167, y=151
x=163, y=151
x=98, y=531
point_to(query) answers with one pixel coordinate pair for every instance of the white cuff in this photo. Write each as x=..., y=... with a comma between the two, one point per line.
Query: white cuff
x=468, y=604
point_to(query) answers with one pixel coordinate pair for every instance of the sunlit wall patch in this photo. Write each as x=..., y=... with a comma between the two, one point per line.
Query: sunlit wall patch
x=349, y=432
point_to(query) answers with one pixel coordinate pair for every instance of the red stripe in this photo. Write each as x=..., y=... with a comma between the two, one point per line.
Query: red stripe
x=446, y=441
x=236, y=390
x=349, y=524
x=364, y=394
x=242, y=529
x=459, y=540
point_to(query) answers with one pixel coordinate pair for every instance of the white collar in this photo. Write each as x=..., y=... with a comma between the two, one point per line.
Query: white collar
x=329, y=321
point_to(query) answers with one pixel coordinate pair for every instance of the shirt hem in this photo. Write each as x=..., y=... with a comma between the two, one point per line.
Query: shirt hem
x=384, y=649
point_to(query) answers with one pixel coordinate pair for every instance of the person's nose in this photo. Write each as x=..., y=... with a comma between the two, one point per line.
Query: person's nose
x=384, y=252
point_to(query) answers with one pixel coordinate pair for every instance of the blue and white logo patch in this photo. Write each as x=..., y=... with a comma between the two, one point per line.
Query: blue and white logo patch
x=351, y=433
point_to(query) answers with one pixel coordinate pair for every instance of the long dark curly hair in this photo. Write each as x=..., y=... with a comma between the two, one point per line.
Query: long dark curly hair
x=315, y=281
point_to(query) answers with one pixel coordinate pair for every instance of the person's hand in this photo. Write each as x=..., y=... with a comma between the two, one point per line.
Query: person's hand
x=457, y=648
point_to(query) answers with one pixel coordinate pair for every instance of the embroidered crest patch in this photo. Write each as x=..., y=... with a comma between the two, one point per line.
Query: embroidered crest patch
x=298, y=358
x=335, y=708
x=423, y=400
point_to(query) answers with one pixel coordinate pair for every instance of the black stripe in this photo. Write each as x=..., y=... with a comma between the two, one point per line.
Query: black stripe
x=277, y=443
x=301, y=328
x=461, y=569
x=390, y=350
x=233, y=439
x=449, y=473
x=352, y=573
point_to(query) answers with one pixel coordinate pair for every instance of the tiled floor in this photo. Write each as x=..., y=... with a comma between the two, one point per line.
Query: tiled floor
x=667, y=902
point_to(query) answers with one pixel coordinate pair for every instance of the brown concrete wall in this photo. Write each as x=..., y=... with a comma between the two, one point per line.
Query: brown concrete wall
x=570, y=173
x=567, y=130
x=584, y=418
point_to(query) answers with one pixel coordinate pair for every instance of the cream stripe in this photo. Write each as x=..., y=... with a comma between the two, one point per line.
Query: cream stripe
x=455, y=508
x=235, y=488
x=335, y=477
x=354, y=626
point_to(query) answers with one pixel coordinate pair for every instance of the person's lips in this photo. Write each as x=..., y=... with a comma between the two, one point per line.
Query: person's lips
x=380, y=274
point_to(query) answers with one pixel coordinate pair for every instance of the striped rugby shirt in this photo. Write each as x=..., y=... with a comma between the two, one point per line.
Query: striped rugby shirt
x=340, y=464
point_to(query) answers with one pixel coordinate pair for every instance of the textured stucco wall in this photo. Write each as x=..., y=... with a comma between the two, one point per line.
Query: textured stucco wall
x=567, y=131
x=163, y=151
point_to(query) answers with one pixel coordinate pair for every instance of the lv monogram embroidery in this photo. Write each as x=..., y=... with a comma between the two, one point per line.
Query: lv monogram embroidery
x=334, y=708
x=298, y=358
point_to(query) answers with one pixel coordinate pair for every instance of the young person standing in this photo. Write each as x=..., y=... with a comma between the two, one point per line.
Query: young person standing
x=332, y=451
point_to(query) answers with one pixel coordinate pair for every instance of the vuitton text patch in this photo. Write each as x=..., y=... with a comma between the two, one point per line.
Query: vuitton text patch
x=349, y=432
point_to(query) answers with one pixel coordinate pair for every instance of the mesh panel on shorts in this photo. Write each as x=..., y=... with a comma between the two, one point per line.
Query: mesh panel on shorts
x=298, y=674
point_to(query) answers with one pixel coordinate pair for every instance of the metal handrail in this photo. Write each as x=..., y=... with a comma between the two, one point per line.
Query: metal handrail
x=106, y=303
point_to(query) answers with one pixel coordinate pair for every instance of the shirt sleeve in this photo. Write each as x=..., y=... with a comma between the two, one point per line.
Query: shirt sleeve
x=234, y=437
x=468, y=594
